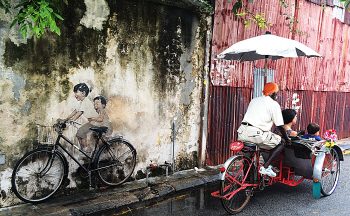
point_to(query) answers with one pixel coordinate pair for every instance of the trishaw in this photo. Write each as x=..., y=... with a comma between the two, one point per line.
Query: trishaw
x=303, y=159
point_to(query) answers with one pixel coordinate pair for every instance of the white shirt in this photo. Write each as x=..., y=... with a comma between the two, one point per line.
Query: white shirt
x=262, y=112
x=87, y=107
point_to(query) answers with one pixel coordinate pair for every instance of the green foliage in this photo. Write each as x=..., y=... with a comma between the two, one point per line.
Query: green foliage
x=37, y=15
x=4, y=4
x=208, y=6
x=291, y=21
x=259, y=19
x=346, y=4
x=238, y=5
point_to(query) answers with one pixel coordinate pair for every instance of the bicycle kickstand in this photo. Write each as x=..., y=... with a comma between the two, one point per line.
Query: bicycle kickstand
x=90, y=185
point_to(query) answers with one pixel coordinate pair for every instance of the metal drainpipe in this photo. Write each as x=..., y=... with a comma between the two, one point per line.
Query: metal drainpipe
x=205, y=103
x=174, y=144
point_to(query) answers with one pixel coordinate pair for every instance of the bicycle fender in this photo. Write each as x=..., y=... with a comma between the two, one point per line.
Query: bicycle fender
x=222, y=174
x=66, y=167
x=339, y=151
x=126, y=141
x=317, y=173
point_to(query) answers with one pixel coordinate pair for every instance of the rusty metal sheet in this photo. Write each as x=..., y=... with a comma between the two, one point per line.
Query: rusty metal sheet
x=347, y=16
x=227, y=108
x=338, y=13
x=228, y=105
x=328, y=36
x=320, y=2
x=320, y=84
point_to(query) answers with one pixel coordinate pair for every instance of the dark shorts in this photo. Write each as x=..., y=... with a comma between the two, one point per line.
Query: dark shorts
x=85, y=129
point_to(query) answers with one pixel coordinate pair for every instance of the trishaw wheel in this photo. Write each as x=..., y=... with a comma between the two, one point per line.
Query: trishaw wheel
x=330, y=173
x=235, y=175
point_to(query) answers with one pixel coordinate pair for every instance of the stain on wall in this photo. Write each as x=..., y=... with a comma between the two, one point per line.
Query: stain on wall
x=146, y=58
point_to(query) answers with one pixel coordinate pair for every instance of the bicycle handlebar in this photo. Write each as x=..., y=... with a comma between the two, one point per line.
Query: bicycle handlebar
x=61, y=124
x=71, y=121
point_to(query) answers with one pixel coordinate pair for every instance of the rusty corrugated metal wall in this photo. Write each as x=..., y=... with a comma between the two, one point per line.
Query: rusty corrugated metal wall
x=321, y=84
x=226, y=109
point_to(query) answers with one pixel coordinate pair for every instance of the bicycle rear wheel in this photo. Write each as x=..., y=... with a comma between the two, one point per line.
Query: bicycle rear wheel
x=330, y=173
x=235, y=173
x=38, y=175
x=115, y=162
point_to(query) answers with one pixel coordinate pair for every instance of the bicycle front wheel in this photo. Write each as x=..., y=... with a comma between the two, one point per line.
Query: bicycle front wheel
x=330, y=173
x=115, y=162
x=38, y=175
x=236, y=174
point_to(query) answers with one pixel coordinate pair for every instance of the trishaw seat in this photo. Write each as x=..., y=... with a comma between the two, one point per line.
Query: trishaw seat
x=302, y=147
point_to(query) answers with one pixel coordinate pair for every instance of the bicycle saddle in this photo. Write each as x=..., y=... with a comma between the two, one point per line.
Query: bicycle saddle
x=100, y=129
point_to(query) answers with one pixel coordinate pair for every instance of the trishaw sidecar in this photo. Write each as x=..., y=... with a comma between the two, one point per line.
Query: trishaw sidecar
x=303, y=159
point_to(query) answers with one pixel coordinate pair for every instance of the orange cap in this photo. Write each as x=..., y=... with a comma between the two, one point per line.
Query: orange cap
x=270, y=88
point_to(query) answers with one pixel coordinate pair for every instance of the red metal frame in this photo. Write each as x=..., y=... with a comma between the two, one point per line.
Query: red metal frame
x=328, y=164
x=285, y=176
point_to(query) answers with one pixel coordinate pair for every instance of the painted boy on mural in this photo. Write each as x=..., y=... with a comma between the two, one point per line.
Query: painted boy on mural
x=102, y=120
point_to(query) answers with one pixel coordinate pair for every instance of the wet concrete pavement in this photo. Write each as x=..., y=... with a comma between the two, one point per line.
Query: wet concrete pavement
x=345, y=145
x=194, y=202
x=101, y=200
x=97, y=201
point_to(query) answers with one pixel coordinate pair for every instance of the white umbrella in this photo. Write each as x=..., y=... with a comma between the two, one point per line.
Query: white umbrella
x=266, y=46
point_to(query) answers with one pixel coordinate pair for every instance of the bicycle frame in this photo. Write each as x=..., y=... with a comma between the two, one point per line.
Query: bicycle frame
x=91, y=158
x=113, y=159
x=302, y=159
x=258, y=181
x=234, y=179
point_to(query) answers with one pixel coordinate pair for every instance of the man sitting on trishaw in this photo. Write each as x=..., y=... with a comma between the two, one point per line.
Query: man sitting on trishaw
x=256, y=126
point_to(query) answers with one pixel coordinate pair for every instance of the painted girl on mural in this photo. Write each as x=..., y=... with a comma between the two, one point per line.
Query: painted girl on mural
x=94, y=115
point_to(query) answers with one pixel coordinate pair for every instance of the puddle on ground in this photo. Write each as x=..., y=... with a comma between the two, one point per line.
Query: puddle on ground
x=187, y=203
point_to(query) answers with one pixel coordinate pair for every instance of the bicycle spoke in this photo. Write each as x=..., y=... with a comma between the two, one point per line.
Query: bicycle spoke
x=38, y=175
x=116, y=162
x=330, y=173
x=236, y=195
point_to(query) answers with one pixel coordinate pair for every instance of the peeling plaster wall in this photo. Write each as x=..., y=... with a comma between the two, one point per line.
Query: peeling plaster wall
x=96, y=14
x=146, y=58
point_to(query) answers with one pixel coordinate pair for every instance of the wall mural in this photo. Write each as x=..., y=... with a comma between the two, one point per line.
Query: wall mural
x=92, y=114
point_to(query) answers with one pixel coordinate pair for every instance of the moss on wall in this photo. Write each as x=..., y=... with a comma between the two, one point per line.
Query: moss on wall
x=185, y=161
x=167, y=31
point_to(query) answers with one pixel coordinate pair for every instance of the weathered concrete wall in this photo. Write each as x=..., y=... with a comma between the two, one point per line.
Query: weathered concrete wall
x=145, y=57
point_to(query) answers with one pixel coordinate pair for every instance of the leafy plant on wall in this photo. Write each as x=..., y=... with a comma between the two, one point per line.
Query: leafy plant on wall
x=35, y=15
